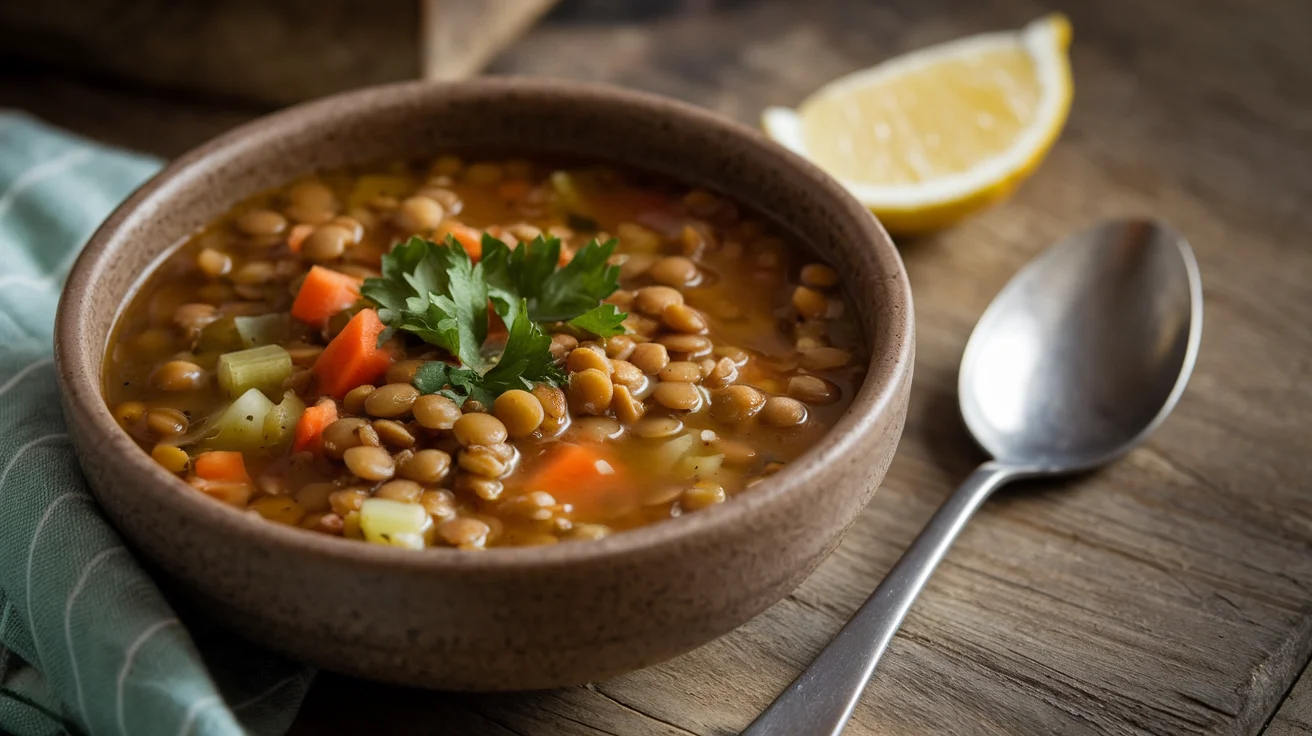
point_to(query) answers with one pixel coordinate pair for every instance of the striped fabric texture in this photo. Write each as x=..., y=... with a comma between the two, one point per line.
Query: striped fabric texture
x=88, y=645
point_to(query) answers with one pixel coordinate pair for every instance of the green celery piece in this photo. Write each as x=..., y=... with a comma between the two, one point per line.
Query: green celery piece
x=240, y=426
x=280, y=422
x=265, y=329
x=567, y=190
x=219, y=336
x=263, y=368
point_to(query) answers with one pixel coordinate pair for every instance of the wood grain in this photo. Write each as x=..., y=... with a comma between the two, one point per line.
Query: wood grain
x=1295, y=715
x=1170, y=594
x=266, y=51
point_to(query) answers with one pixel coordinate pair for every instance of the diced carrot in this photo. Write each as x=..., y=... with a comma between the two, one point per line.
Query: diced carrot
x=586, y=477
x=513, y=189
x=222, y=466
x=298, y=235
x=469, y=237
x=310, y=427
x=324, y=293
x=353, y=358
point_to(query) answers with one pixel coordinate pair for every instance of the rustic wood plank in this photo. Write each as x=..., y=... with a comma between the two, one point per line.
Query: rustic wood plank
x=1169, y=594
x=450, y=50
x=1295, y=715
x=266, y=51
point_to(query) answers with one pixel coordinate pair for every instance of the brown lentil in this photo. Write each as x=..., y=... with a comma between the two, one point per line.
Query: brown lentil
x=620, y=347
x=417, y=214
x=654, y=300
x=825, y=359
x=393, y=433
x=166, y=422
x=341, y=436
x=736, y=404
x=178, y=375
x=627, y=409
x=585, y=357
x=403, y=371
x=369, y=463
x=480, y=460
x=326, y=243
x=814, y=390
x=701, y=495
x=678, y=395
x=819, y=276
x=650, y=357
x=435, y=412
x=520, y=411
x=405, y=491
x=674, y=271
x=479, y=429
x=590, y=390
x=464, y=532
x=691, y=346
x=681, y=371
x=391, y=401
x=809, y=303
x=782, y=411
x=425, y=466
x=261, y=222
x=173, y=459
x=624, y=373
x=552, y=399
x=656, y=427
x=683, y=318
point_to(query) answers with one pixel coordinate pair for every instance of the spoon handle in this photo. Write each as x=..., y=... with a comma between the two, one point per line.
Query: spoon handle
x=822, y=698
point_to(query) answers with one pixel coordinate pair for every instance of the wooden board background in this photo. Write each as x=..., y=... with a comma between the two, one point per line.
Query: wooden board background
x=1170, y=594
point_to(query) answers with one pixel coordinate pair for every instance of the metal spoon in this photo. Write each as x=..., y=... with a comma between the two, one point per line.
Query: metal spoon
x=1079, y=358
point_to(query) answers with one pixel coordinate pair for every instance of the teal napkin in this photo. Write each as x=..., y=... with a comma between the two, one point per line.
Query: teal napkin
x=88, y=645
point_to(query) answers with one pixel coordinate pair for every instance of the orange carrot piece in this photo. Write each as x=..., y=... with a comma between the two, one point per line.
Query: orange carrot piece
x=222, y=466
x=353, y=358
x=469, y=237
x=310, y=427
x=587, y=477
x=324, y=293
x=298, y=235
x=513, y=189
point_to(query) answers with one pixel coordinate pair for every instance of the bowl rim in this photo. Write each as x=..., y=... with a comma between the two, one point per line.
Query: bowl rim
x=77, y=356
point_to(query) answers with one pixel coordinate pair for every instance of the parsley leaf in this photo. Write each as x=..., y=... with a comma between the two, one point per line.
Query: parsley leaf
x=554, y=294
x=435, y=293
x=604, y=320
x=439, y=295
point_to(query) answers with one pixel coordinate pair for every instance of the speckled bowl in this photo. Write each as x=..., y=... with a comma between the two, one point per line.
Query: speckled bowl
x=505, y=619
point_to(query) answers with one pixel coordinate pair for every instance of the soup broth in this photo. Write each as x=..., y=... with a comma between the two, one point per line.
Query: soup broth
x=250, y=362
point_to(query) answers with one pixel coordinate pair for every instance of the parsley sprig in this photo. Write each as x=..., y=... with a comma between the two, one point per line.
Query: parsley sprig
x=437, y=293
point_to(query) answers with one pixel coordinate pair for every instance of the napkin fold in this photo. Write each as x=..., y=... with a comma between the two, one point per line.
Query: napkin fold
x=88, y=644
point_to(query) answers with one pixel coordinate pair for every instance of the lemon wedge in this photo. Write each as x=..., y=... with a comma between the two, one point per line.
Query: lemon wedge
x=926, y=138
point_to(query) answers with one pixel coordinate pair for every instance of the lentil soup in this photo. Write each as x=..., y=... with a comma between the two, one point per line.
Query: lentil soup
x=485, y=353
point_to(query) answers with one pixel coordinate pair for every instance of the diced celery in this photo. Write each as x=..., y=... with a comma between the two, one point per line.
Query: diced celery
x=241, y=426
x=219, y=336
x=280, y=422
x=264, y=329
x=567, y=192
x=264, y=368
x=384, y=521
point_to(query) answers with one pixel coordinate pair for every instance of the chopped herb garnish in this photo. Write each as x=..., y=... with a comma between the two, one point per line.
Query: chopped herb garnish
x=439, y=295
x=556, y=294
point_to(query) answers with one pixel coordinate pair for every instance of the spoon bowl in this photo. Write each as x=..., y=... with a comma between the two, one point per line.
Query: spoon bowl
x=1086, y=350
x=1079, y=358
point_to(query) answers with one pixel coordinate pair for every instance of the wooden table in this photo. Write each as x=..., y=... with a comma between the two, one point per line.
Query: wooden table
x=1169, y=594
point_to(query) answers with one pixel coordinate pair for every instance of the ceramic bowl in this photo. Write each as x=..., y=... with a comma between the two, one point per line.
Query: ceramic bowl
x=515, y=618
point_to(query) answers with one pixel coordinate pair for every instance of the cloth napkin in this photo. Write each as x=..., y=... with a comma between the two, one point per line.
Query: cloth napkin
x=88, y=644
